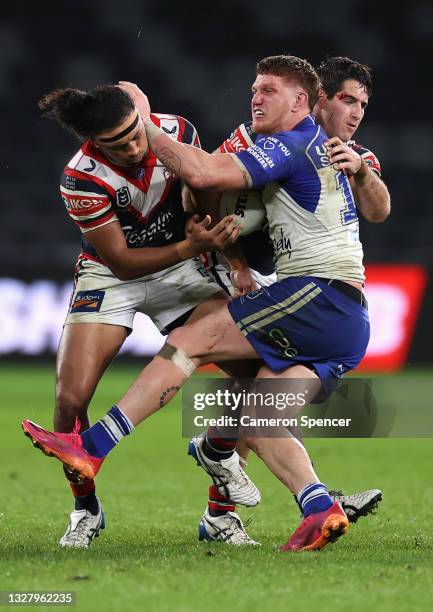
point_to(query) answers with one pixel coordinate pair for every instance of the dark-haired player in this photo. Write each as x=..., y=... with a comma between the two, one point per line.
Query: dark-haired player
x=134, y=255
x=346, y=87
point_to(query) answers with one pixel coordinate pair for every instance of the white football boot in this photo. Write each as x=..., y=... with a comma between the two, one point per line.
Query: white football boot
x=227, y=528
x=227, y=475
x=83, y=527
x=358, y=504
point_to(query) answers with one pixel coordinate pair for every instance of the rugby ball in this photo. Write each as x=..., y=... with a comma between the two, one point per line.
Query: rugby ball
x=247, y=205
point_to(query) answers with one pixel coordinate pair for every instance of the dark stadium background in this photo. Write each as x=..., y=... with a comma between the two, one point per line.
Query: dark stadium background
x=197, y=59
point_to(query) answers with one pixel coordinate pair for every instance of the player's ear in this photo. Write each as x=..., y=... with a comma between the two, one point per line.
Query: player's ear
x=321, y=100
x=301, y=100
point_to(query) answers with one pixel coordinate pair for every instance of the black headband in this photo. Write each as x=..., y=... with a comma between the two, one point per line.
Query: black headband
x=123, y=132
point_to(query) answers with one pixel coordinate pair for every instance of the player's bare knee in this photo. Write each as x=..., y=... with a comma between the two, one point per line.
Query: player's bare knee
x=199, y=338
x=176, y=337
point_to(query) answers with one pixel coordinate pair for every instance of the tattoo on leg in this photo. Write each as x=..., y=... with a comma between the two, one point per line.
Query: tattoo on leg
x=165, y=393
x=170, y=160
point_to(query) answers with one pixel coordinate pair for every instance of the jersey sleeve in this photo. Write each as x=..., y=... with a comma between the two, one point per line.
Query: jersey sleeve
x=239, y=140
x=188, y=134
x=88, y=203
x=269, y=159
x=369, y=157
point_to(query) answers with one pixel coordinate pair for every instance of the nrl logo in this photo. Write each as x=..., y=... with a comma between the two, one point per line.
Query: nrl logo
x=123, y=197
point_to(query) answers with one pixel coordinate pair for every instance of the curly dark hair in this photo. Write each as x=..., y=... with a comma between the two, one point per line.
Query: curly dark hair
x=293, y=68
x=87, y=114
x=333, y=71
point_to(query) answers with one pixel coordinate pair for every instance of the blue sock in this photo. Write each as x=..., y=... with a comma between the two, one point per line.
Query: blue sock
x=314, y=498
x=103, y=436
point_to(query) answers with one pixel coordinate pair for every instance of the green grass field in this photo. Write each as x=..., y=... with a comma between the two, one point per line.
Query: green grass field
x=149, y=558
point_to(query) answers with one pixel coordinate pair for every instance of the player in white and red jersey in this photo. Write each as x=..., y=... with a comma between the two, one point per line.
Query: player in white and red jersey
x=134, y=256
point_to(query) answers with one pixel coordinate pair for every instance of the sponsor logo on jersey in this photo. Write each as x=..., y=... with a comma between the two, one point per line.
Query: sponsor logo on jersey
x=241, y=204
x=282, y=147
x=87, y=301
x=322, y=156
x=83, y=203
x=282, y=343
x=239, y=140
x=261, y=156
x=156, y=231
x=91, y=167
x=236, y=143
x=281, y=243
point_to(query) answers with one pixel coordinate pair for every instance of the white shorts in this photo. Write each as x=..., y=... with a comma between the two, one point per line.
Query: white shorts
x=221, y=273
x=100, y=297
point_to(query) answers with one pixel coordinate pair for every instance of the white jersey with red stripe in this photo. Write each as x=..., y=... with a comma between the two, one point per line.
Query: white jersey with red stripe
x=145, y=198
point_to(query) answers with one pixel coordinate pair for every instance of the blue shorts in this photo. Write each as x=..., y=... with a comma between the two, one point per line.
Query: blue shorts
x=303, y=320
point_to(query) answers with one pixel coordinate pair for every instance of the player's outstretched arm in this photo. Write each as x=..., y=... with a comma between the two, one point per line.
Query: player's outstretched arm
x=198, y=169
x=370, y=192
x=127, y=264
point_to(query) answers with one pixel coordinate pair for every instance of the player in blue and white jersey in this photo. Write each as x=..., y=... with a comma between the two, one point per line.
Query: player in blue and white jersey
x=316, y=309
x=346, y=87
